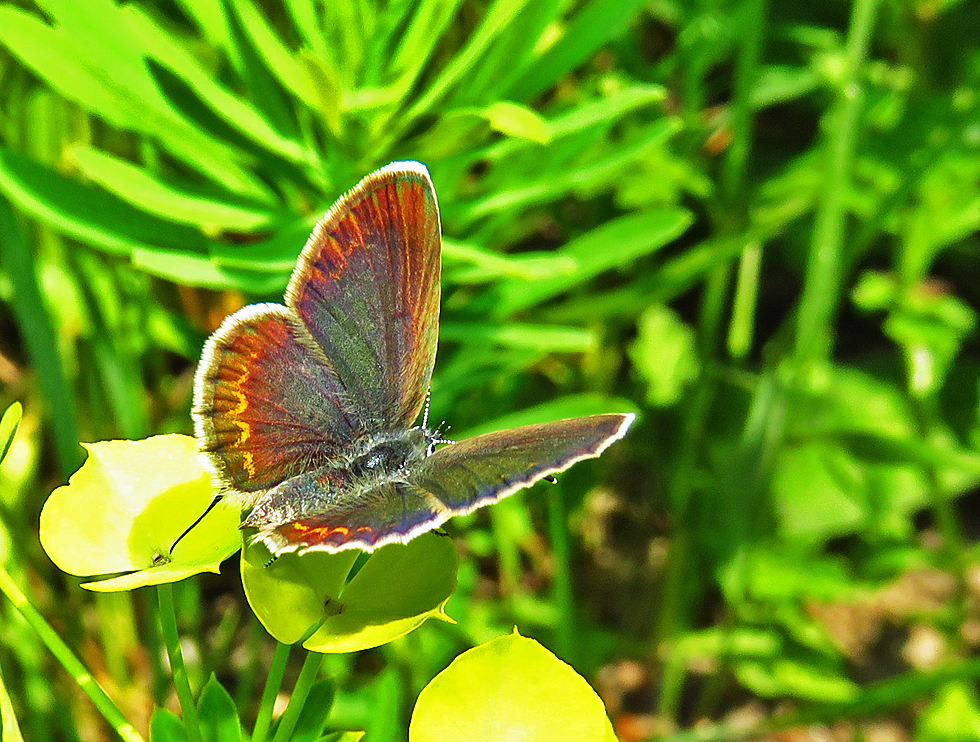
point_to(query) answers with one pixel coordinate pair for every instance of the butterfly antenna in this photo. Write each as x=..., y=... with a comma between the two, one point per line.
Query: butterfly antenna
x=207, y=510
x=425, y=410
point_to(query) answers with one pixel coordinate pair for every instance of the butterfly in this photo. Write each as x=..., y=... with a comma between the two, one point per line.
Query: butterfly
x=306, y=411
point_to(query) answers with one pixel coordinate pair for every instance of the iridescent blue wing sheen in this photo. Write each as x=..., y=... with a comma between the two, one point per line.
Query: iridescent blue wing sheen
x=268, y=404
x=367, y=288
x=481, y=470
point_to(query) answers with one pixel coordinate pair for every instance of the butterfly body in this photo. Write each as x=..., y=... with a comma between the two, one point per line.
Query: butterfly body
x=305, y=410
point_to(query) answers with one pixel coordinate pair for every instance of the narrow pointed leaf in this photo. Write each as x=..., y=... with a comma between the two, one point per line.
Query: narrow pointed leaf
x=86, y=213
x=593, y=25
x=146, y=192
x=612, y=245
x=233, y=110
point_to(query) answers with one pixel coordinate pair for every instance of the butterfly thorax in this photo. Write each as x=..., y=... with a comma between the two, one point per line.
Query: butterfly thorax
x=372, y=464
x=384, y=456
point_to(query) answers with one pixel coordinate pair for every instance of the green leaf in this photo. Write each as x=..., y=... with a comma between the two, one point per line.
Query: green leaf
x=125, y=508
x=664, y=354
x=426, y=26
x=67, y=59
x=615, y=244
x=478, y=265
x=218, y=715
x=522, y=192
x=786, y=676
x=493, y=22
x=726, y=642
x=9, y=424
x=276, y=255
x=953, y=715
x=517, y=121
x=783, y=83
x=86, y=213
x=9, y=729
x=74, y=58
x=315, y=712
x=387, y=705
x=234, y=111
x=593, y=25
x=278, y=57
x=822, y=488
x=144, y=191
x=509, y=689
x=397, y=589
x=166, y=726
x=601, y=112
x=210, y=17
x=515, y=50
x=199, y=270
x=928, y=326
x=548, y=339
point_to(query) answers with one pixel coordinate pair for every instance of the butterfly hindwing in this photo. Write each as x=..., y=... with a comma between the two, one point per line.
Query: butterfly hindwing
x=328, y=510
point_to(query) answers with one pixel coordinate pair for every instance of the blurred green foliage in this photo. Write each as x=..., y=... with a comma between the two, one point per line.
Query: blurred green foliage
x=756, y=223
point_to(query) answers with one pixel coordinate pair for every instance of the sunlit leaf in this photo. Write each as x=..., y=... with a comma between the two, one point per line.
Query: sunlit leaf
x=953, y=714
x=612, y=245
x=236, y=112
x=517, y=121
x=509, y=689
x=9, y=728
x=146, y=192
x=397, y=589
x=87, y=213
x=8, y=427
x=664, y=354
x=593, y=24
x=125, y=508
x=552, y=339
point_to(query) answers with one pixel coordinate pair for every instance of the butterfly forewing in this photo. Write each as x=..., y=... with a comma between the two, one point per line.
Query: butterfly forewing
x=268, y=404
x=367, y=288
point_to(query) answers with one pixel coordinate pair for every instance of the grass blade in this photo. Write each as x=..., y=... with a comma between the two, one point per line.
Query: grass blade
x=39, y=337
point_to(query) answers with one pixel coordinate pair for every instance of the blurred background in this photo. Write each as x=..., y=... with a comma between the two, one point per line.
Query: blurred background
x=754, y=223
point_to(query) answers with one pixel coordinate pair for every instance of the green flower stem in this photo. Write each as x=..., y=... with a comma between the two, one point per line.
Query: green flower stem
x=273, y=683
x=741, y=329
x=733, y=187
x=565, y=634
x=821, y=288
x=681, y=582
x=307, y=676
x=954, y=548
x=83, y=679
x=168, y=622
